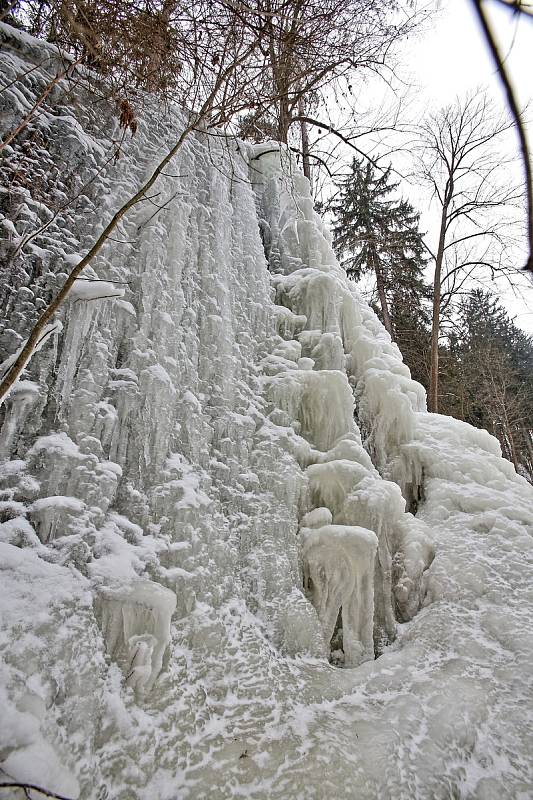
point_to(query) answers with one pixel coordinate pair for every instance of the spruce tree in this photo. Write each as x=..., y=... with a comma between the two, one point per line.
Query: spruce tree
x=488, y=375
x=378, y=234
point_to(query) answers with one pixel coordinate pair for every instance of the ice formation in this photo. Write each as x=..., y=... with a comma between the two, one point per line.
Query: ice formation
x=136, y=624
x=221, y=497
x=339, y=576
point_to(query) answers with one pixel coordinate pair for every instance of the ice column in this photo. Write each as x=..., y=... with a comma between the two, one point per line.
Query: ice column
x=338, y=576
x=135, y=621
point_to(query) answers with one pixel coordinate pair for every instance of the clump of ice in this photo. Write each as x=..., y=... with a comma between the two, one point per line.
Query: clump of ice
x=135, y=621
x=339, y=577
x=94, y=289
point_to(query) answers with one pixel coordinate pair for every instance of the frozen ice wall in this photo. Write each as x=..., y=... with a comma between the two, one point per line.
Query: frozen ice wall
x=222, y=497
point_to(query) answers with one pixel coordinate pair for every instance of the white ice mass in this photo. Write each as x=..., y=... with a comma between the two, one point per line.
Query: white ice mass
x=238, y=557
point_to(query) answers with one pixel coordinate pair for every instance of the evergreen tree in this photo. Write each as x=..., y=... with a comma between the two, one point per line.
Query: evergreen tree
x=377, y=234
x=488, y=375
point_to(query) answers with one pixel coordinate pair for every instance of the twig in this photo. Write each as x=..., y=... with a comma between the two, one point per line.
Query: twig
x=99, y=297
x=105, y=280
x=159, y=208
x=39, y=231
x=40, y=100
x=21, y=76
x=515, y=111
x=30, y=786
x=5, y=13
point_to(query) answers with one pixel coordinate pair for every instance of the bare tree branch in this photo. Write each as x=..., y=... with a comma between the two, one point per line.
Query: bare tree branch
x=515, y=111
x=34, y=788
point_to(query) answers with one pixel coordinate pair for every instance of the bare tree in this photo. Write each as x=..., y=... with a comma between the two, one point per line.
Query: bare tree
x=460, y=162
x=313, y=48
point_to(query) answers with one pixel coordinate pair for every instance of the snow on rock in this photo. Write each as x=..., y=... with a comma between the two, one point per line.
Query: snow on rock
x=198, y=475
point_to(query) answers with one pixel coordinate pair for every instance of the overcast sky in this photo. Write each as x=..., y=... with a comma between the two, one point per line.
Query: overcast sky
x=453, y=53
x=452, y=58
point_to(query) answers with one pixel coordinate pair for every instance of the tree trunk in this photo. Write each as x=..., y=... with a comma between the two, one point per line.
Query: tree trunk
x=433, y=399
x=279, y=79
x=305, y=140
x=160, y=40
x=510, y=439
x=499, y=433
x=526, y=433
x=284, y=120
x=380, y=285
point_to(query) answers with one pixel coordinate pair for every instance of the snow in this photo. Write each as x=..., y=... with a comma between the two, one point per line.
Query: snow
x=28, y=582
x=92, y=289
x=197, y=476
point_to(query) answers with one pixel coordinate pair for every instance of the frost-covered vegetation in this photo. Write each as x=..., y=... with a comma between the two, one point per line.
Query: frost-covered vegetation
x=238, y=556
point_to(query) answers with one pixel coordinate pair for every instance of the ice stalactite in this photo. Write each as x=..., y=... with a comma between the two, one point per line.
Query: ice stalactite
x=19, y=403
x=320, y=401
x=56, y=516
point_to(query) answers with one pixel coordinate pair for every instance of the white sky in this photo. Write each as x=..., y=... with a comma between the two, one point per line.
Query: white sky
x=453, y=53
x=452, y=58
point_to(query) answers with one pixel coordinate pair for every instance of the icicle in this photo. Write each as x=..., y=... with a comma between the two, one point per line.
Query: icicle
x=21, y=399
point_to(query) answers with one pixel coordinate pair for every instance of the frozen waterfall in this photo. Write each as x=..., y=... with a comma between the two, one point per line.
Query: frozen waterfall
x=238, y=557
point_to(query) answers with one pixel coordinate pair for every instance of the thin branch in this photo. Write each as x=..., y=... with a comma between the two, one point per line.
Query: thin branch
x=347, y=140
x=38, y=103
x=515, y=111
x=5, y=13
x=32, y=787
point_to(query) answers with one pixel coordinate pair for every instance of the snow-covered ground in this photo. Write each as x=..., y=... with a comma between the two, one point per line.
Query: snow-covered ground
x=206, y=478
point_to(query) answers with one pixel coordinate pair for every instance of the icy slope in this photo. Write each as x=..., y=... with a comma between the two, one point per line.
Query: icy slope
x=199, y=559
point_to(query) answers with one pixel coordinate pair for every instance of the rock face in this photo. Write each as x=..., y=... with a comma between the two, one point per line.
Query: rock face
x=206, y=478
